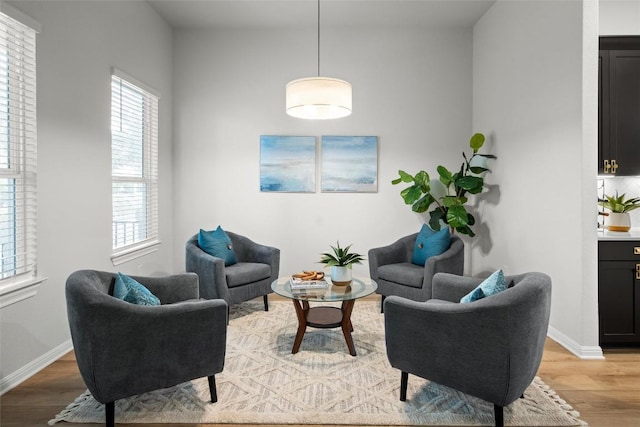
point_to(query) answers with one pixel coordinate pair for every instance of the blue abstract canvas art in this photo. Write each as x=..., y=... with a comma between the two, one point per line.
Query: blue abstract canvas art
x=288, y=163
x=350, y=164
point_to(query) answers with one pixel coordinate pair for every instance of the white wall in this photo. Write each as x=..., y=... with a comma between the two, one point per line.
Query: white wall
x=619, y=17
x=528, y=94
x=78, y=45
x=412, y=89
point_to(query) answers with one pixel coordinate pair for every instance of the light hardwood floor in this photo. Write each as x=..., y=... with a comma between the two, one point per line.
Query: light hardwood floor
x=605, y=392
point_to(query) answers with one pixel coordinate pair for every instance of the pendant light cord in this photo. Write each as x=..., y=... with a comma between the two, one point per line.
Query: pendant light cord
x=318, y=38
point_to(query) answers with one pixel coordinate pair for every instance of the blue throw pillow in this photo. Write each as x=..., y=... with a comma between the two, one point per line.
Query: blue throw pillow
x=130, y=290
x=218, y=244
x=430, y=243
x=490, y=286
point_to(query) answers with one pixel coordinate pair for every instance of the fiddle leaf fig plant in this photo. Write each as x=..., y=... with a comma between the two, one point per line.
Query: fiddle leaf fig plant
x=449, y=193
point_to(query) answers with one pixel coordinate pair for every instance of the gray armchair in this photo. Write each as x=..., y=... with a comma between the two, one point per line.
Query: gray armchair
x=123, y=349
x=490, y=348
x=258, y=265
x=391, y=268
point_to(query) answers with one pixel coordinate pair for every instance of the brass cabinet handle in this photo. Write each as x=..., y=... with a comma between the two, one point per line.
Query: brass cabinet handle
x=607, y=166
x=614, y=166
x=638, y=271
x=636, y=250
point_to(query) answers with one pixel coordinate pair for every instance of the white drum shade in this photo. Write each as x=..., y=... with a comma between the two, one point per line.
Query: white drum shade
x=318, y=98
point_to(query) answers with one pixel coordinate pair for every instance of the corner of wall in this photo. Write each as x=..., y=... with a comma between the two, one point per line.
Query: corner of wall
x=585, y=352
x=30, y=369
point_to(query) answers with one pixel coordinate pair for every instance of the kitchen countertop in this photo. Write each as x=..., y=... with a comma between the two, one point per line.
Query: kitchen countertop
x=633, y=234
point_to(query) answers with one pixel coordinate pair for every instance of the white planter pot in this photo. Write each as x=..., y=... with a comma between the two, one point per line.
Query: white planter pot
x=618, y=221
x=340, y=276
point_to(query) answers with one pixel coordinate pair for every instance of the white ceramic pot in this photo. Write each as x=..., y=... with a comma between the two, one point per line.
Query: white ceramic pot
x=340, y=276
x=618, y=221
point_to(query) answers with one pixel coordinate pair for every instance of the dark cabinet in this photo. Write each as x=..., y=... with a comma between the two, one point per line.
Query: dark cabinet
x=619, y=106
x=619, y=292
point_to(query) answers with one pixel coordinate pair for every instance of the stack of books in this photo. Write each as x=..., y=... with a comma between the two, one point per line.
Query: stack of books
x=308, y=284
x=308, y=287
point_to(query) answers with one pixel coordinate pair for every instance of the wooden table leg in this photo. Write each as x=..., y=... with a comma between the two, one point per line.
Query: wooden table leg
x=347, y=327
x=301, y=311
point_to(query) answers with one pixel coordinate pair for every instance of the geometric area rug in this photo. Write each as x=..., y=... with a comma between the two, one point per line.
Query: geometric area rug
x=263, y=383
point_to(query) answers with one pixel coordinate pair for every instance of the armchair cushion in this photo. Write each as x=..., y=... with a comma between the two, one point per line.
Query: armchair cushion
x=244, y=273
x=430, y=243
x=218, y=244
x=490, y=286
x=406, y=273
x=130, y=290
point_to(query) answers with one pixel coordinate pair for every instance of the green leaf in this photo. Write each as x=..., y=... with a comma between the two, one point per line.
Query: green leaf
x=478, y=170
x=476, y=142
x=465, y=230
x=411, y=194
x=488, y=156
x=445, y=176
x=404, y=177
x=422, y=179
x=457, y=216
x=328, y=259
x=473, y=184
x=435, y=216
x=450, y=201
x=471, y=220
x=423, y=204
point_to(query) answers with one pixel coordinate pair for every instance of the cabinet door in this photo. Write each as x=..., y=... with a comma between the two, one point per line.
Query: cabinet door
x=603, y=110
x=618, y=302
x=624, y=110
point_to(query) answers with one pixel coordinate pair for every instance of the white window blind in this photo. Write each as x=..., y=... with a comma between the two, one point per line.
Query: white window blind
x=134, y=165
x=18, y=149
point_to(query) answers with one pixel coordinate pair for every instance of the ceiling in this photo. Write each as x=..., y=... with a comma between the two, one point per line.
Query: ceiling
x=303, y=13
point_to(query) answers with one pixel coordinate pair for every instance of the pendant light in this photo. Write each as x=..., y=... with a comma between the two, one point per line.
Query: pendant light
x=318, y=97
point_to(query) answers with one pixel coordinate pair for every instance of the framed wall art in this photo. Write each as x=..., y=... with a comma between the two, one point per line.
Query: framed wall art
x=288, y=164
x=349, y=164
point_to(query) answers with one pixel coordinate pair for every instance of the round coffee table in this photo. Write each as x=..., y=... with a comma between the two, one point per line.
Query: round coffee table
x=324, y=316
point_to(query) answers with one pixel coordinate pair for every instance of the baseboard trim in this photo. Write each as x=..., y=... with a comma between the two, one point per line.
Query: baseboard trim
x=30, y=369
x=586, y=352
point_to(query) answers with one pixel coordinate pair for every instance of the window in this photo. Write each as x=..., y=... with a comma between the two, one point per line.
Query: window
x=134, y=168
x=18, y=143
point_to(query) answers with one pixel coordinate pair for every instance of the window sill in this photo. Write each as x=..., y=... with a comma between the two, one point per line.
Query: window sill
x=16, y=291
x=138, y=251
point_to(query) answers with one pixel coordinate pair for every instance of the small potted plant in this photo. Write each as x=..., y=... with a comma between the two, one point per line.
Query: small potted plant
x=341, y=262
x=619, y=219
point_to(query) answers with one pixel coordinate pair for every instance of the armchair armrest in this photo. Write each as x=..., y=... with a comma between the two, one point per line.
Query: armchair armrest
x=172, y=289
x=397, y=252
x=117, y=337
x=249, y=251
x=210, y=271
